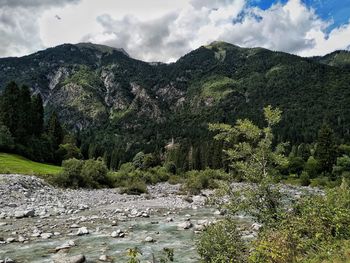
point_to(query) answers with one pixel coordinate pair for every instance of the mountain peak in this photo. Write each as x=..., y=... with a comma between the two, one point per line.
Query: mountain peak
x=101, y=48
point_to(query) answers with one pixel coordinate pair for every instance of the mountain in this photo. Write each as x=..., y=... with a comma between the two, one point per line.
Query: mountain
x=113, y=100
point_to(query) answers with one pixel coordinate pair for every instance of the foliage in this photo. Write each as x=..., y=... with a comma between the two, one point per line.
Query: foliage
x=250, y=151
x=195, y=181
x=135, y=187
x=94, y=173
x=68, y=151
x=6, y=140
x=325, y=152
x=87, y=174
x=305, y=179
x=222, y=243
x=313, y=231
x=133, y=254
x=342, y=167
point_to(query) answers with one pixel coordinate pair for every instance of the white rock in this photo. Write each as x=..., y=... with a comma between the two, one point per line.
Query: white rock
x=82, y=231
x=185, y=225
x=149, y=239
x=46, y=235
x=103, y=258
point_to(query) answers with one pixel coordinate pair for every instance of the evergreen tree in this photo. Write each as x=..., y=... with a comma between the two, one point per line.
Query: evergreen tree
x=9, y=107
x=37, y=115
x=55, y=130
x=24, y=125
x=326, y=153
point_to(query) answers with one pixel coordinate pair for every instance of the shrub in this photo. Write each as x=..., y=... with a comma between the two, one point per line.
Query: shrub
x=206, y=179
x=135, y=187
x=313, y=231
x=71, y=174
x=94, y=173
x=222, y=243
x=68, y=151
x=305, y=179
x=170, y=167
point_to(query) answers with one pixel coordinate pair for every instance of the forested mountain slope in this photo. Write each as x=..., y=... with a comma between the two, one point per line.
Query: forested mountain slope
x=116, y=102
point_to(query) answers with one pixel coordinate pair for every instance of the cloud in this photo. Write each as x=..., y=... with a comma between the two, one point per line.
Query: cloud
x=19, y=27
x=35, y=3
x=164, y=31
x=169, y=36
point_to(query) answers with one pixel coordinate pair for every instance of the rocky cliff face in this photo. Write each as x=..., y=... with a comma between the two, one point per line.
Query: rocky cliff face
x=93, y=85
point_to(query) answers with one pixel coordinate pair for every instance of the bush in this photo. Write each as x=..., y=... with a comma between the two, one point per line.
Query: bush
x=135, y=187
x=304, y=179
x=315, y=230
x=71, y=174
x=206, y=179
x=222, y=243
x=78, y=173
x=68, y=151
x=94, y=173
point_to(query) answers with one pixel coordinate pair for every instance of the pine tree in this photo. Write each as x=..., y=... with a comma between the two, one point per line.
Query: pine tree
x=55, y=130
x=37, y=115
x=325, y=152
x=24, y=125
x=9, y=107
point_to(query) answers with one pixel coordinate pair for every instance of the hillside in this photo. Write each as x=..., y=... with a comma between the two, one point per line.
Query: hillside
x=116, y=102
x=15, y=164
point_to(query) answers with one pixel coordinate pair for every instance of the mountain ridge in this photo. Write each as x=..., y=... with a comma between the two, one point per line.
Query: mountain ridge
x=101, y=92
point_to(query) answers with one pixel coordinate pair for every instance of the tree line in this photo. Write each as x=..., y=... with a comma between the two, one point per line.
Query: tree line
x=23, y=129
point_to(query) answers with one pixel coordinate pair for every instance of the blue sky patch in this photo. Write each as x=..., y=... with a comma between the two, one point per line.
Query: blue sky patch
x=336, y=11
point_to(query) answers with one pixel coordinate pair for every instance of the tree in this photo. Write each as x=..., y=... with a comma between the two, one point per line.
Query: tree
x=9, y=107
x=55, y=130
x=326, y=152
x=37, y=115
x=221, y=243
x=253, y=157
x=24, y=125
x=6, y=139
x=251, y=153
x=342, y=167
x=94, y=173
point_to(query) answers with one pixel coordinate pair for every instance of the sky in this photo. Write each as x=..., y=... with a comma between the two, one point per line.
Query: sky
x=164, y=30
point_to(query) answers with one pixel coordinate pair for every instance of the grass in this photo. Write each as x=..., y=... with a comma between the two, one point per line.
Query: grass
x=15, y=164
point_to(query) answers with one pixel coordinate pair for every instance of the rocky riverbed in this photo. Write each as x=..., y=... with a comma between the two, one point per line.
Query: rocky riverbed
x=40, y=223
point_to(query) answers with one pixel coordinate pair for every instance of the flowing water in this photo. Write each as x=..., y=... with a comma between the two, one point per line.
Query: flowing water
x=97, y=243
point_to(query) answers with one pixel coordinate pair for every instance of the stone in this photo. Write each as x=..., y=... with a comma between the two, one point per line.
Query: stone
x=21, y=239
x=9, y=260
x=66, y=245
x=24, y=213
x=256, y=226
x=149, y=239
x=169, y=219
x=62, y=258
x=199, y=227
x=103, y=258
x=10, y=240
x=185, y=225
x=82, y=231
x=46, y=235
x=114, y=234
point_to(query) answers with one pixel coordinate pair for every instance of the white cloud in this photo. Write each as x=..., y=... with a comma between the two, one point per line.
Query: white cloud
x=158, y=30
x=19, y=27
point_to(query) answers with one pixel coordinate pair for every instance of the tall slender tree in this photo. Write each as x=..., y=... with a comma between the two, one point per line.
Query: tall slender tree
x=326, y=152
x=55, y=130
x=37, y=115
x=9, y=113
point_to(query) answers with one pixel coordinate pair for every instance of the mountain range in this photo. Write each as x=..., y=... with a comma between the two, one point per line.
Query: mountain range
x=110, y=98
